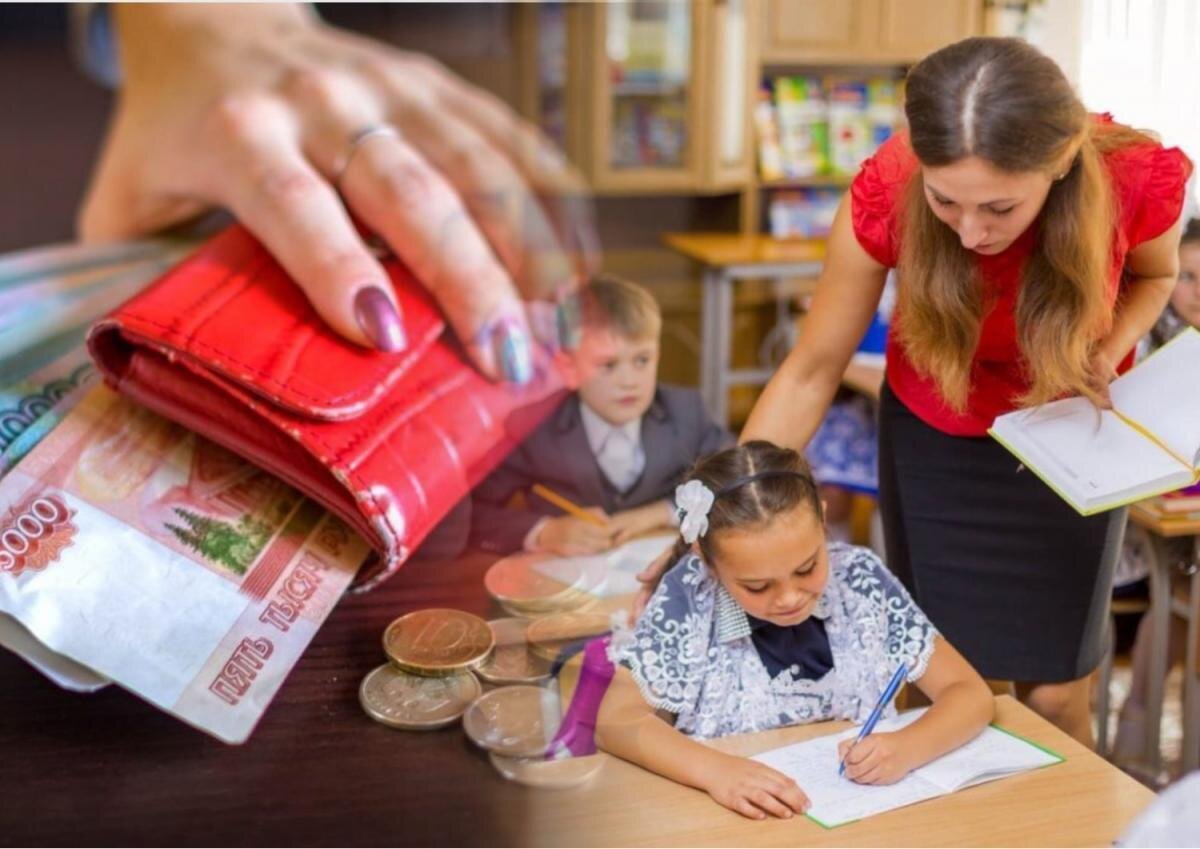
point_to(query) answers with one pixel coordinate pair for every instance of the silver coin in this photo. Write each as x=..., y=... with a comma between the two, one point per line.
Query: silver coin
x=549, y=775
x=511, y=662
x=518, y=721
x=415, y=703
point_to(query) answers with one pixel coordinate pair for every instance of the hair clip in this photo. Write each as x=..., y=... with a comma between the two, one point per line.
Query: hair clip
x=694, y=500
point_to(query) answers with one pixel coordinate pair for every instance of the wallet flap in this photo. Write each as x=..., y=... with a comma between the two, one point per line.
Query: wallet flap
x=286, y=355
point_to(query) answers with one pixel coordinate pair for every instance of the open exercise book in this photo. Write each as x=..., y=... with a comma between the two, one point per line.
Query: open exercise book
x=615, y=571
x=1149, y=443
x=837, y=800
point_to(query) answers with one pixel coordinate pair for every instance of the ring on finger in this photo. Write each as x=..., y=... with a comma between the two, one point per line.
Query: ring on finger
x=356, y=141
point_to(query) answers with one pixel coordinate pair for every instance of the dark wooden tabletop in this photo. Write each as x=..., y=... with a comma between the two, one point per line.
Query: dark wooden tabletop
x=109, y=769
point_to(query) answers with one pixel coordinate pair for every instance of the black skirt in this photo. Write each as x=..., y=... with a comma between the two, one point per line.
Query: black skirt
x=1009, y=573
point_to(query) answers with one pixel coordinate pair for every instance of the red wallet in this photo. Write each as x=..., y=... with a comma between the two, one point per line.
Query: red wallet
x=228, y=346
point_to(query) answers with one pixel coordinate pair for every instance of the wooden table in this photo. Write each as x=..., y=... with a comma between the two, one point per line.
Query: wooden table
x=1084, y=801
x=109, y=769
x=1163, y=605
x=726, y=258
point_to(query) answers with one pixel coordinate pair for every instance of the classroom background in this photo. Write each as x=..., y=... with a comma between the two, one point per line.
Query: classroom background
x=718, y=137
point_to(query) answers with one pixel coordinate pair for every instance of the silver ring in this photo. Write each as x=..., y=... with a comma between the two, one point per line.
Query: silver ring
x=356, y=141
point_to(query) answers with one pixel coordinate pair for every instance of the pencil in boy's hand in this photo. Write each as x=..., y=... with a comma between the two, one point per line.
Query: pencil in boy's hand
x=888, y=693
x=567, y=504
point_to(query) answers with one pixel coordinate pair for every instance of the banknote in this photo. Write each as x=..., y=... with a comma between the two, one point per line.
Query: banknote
x=166, y=563
x=32, y=407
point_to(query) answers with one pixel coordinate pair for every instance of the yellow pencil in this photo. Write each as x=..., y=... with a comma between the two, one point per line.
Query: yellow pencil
x=567, y=504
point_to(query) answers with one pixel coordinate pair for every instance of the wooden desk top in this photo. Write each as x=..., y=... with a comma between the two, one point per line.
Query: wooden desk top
x=1084, y=801
x=724, y=249
x=1167, y=528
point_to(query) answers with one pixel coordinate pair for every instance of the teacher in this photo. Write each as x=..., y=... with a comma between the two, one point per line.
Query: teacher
x=1034, y=244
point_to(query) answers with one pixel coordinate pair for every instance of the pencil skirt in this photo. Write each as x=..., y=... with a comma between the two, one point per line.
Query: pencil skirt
x=1008, y=572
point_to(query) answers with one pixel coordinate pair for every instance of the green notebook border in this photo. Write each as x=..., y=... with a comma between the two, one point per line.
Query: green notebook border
x=1059, y=759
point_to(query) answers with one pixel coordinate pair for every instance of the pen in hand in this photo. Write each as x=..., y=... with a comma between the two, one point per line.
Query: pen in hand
x=889, y=693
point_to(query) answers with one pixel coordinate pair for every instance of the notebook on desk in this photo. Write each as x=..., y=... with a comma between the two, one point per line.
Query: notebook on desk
x=1147, y=444
x=813, y=764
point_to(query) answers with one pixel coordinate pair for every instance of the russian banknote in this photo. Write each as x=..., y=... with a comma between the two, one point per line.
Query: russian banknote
x=166, y=563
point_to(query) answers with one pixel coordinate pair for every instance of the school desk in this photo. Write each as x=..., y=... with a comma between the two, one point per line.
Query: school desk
x=726, y=258
x=1084, y=801
x=1163, y=605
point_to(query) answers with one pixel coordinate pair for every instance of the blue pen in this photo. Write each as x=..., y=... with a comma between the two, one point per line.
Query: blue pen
x=889, y=693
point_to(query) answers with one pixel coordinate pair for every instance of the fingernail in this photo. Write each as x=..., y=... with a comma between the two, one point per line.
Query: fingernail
x=512, y=350
x=377, y=317
x=567, y=315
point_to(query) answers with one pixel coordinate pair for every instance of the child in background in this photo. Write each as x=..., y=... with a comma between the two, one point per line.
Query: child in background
x=761, y=624
x=618, y=445
x=1182, y=312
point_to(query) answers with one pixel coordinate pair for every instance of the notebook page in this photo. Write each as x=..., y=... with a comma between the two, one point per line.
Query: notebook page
x=1163, y=394
x=836, y=800
x=993, y=754
x=619, y=567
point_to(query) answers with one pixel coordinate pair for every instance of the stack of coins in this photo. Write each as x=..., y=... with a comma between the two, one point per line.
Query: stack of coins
x=437, y=660
x=522, y=589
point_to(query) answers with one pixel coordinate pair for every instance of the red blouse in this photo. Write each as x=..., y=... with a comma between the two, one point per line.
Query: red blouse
x=1149, y=183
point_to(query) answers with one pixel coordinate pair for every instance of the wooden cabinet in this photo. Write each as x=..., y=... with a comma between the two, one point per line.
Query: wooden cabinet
x=863, y=32
x=650, y=96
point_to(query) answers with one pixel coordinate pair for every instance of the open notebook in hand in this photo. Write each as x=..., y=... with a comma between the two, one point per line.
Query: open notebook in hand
x=1149, y=443
x=836, y=800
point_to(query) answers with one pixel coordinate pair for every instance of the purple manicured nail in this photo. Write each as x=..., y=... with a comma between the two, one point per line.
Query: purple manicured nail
x=377, y=317
x=576, y=736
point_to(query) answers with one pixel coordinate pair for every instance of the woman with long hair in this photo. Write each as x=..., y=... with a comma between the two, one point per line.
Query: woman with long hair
x=1034, y=244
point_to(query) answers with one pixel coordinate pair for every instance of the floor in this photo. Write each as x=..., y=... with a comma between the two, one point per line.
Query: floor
x=1171, y=739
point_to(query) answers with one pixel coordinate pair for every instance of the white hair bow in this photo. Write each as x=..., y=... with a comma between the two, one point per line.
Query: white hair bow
x=694, y=500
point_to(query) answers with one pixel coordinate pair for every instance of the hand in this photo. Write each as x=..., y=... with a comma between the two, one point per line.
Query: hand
x=755, y=790
x=253, y=108
x=629, y=523
x=649, y=577
x=1102, y=372
x=876, y=759
x=569, y=537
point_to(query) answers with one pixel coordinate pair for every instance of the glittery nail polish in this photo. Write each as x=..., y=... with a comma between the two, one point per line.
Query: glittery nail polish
x=377, y=317
x=512, y=350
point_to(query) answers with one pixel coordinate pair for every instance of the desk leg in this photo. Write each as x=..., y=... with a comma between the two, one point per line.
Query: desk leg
x=710, y=314
x=1191, y=676
x=1160, y=622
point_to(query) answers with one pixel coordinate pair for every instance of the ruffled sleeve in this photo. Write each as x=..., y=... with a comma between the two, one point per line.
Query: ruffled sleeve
x=907, y=634
x=1158, y=200
x=670, y=645
x=876, y=195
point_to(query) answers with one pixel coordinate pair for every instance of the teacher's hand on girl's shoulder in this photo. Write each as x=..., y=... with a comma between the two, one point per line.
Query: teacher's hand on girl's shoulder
x=302, y=131
x=876, y=759
x=755, y=790
x=649, y=578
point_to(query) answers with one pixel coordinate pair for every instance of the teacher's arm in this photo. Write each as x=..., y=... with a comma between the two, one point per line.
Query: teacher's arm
x=848, y=292
x=1153, y=268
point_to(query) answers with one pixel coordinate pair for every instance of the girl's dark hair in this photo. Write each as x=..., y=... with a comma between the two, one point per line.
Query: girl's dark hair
x=753, y=483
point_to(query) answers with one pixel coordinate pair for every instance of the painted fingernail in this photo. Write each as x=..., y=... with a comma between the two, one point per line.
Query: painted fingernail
x=568, y=320
x=377, y=317
x=511, y=347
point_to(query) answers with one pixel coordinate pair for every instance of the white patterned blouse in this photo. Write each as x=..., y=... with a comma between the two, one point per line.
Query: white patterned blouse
x=692, y=655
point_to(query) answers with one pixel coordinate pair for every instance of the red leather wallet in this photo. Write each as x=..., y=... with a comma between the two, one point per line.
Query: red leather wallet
x=228, y=346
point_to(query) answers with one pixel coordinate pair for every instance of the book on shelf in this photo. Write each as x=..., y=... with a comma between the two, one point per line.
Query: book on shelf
x=1146, y=445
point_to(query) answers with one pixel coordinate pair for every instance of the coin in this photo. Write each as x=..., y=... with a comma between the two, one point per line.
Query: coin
x=520, y=585
x=518, y=721
x=550, y=775
x=437, y=641
x=411, y=702
x=549, y=636
x=511, y=662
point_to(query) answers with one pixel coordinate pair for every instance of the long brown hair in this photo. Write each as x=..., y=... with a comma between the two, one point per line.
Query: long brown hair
x=1003, y=101
x=754, y=482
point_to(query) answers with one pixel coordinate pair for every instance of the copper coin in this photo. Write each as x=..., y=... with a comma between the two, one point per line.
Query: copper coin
x=550, y=775
x=517, y=721
x=517, y=583
x=437, y=641
x=411, y=702
x=549, y=636
x=511, y=662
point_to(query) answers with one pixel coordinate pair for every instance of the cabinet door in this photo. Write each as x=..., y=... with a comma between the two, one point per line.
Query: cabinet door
x=815, y=30
x=910, y=29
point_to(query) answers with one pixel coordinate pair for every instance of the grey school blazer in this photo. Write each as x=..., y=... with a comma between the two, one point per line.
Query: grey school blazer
x=676, y=431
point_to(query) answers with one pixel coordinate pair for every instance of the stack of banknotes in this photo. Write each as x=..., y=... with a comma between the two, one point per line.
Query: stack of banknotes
x=131, y=550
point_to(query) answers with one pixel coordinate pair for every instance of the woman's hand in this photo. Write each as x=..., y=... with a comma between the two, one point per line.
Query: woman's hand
x=649, y=578
x=755, y=790
x=876, y=759
x=301, y=130
x=1102, y=372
